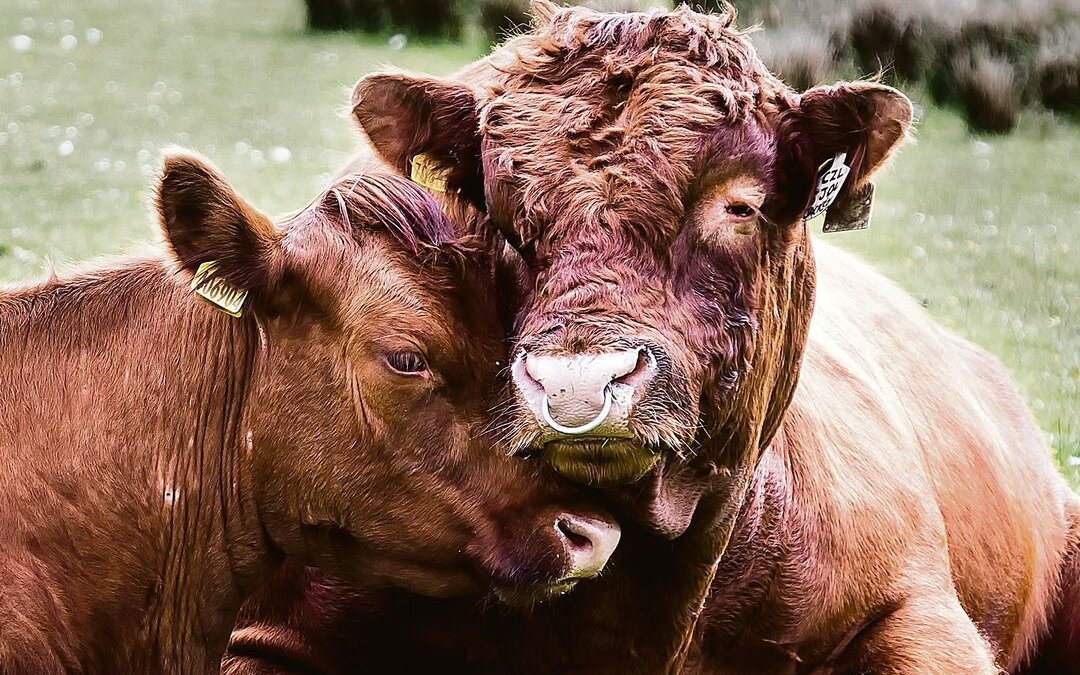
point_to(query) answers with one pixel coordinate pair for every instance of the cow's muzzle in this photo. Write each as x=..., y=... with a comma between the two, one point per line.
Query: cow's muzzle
x=587, y=545
x=583, y=404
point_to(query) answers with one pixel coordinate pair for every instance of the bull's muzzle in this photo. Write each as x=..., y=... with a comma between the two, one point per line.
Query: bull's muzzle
x=601, y=417
x=583, y=404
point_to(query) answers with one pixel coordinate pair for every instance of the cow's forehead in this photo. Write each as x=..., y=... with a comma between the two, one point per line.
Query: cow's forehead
x=613, y=113
x=580, y=50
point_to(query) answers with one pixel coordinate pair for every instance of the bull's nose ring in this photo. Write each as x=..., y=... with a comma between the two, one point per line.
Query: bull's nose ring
x=584, y=428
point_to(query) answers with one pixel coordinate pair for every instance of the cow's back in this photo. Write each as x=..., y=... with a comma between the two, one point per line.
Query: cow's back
x=907, y=457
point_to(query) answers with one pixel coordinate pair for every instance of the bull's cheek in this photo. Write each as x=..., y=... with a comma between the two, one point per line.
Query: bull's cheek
x=600, y=463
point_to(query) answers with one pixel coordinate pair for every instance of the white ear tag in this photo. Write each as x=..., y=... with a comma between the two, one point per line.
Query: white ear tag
x=831, y=179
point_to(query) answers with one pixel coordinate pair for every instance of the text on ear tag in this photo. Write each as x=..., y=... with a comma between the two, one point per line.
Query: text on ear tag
x=831, y=179
x=218, y=292
x=428, y=173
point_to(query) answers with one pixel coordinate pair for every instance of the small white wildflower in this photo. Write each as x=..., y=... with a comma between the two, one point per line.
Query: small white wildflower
x=21, y=43
x=280, y=155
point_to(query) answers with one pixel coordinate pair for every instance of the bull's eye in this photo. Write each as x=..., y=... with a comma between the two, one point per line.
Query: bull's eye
x=740, y=210
x=407, y=363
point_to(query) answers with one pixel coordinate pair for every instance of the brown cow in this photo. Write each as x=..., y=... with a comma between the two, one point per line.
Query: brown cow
x=892, y=511
x=915, y=380
x=159, y=459
x=897, y=511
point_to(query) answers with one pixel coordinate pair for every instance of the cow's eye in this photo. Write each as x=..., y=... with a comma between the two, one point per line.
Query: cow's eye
x=407, y=363
x=740, y=210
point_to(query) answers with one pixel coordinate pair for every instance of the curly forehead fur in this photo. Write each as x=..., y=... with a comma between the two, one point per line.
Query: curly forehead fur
x=392, y=203
x=640, y=40
x=615, y=108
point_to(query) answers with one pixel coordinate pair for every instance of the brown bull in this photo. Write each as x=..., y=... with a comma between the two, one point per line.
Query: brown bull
x=159, y=459
x=656, y=177
x=862, y=492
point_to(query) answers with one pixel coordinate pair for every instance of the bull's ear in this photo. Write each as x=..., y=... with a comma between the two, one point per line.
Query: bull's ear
x=424, y=127
x=865, y=122
x=212, y=231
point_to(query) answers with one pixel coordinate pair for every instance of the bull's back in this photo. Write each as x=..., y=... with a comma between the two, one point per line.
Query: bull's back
x=968, y=462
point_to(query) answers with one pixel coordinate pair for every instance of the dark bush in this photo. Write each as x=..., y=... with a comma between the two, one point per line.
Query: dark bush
x=500, y=18
x=875, y=32
x=328, y=14
x=1013, y=35
x=919, y=47
x=987, y=57
x=369, y=16
x=988, y=91
x=801, y=57
x=427, y=18
x=365, y=15
x=1059, y=85
x=941, y=81
x=1057, y=70
x=432, y=18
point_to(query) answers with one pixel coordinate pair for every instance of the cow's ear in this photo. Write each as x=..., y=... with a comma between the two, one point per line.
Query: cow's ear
x=424, y=127
x=864, y=121
x=210, y=227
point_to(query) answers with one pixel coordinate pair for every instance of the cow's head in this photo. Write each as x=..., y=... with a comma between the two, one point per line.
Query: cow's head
x=365, y=430
x=655, y=177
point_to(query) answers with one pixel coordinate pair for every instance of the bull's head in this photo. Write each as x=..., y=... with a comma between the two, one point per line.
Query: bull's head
x=655, y=177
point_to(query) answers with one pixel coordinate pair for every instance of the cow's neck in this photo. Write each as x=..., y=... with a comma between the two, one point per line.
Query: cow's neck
x=128, y=416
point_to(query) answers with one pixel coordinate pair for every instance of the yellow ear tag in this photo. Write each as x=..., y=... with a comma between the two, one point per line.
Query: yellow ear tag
x=427, y=172
x=217, y=291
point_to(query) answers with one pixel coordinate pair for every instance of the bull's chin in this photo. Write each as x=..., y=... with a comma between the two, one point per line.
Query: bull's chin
x=527, y=596
x=600, y=462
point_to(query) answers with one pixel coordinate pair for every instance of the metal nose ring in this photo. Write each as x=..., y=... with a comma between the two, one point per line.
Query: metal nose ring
x=584, y=428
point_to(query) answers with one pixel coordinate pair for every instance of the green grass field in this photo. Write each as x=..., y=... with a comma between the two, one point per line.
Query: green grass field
x=985, y=231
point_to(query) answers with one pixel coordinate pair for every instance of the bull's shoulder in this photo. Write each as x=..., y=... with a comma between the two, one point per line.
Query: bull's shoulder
x=908, y=448
x=917, y=384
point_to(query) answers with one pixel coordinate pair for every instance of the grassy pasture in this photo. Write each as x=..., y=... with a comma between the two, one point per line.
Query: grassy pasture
x=985, y=231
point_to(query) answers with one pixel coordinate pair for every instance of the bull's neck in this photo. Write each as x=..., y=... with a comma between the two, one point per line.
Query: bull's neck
x=128, y=413
x=753, y=415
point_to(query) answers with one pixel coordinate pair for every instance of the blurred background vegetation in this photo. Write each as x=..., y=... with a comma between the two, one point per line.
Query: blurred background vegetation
x=983, y=228
x=988, y=58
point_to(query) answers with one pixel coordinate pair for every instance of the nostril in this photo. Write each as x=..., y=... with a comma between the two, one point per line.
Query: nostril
x=575, y=539
x=644, y=370
x=525, y=380
x=589, y=544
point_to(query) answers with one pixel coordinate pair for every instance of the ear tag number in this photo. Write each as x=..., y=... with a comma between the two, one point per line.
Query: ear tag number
x=217, y=291
x=831, y=179
x=429, y=173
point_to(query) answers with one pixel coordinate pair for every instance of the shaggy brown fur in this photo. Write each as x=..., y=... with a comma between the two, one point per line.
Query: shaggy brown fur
x=863, y=492
x=160, y=459
x=826, y=542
